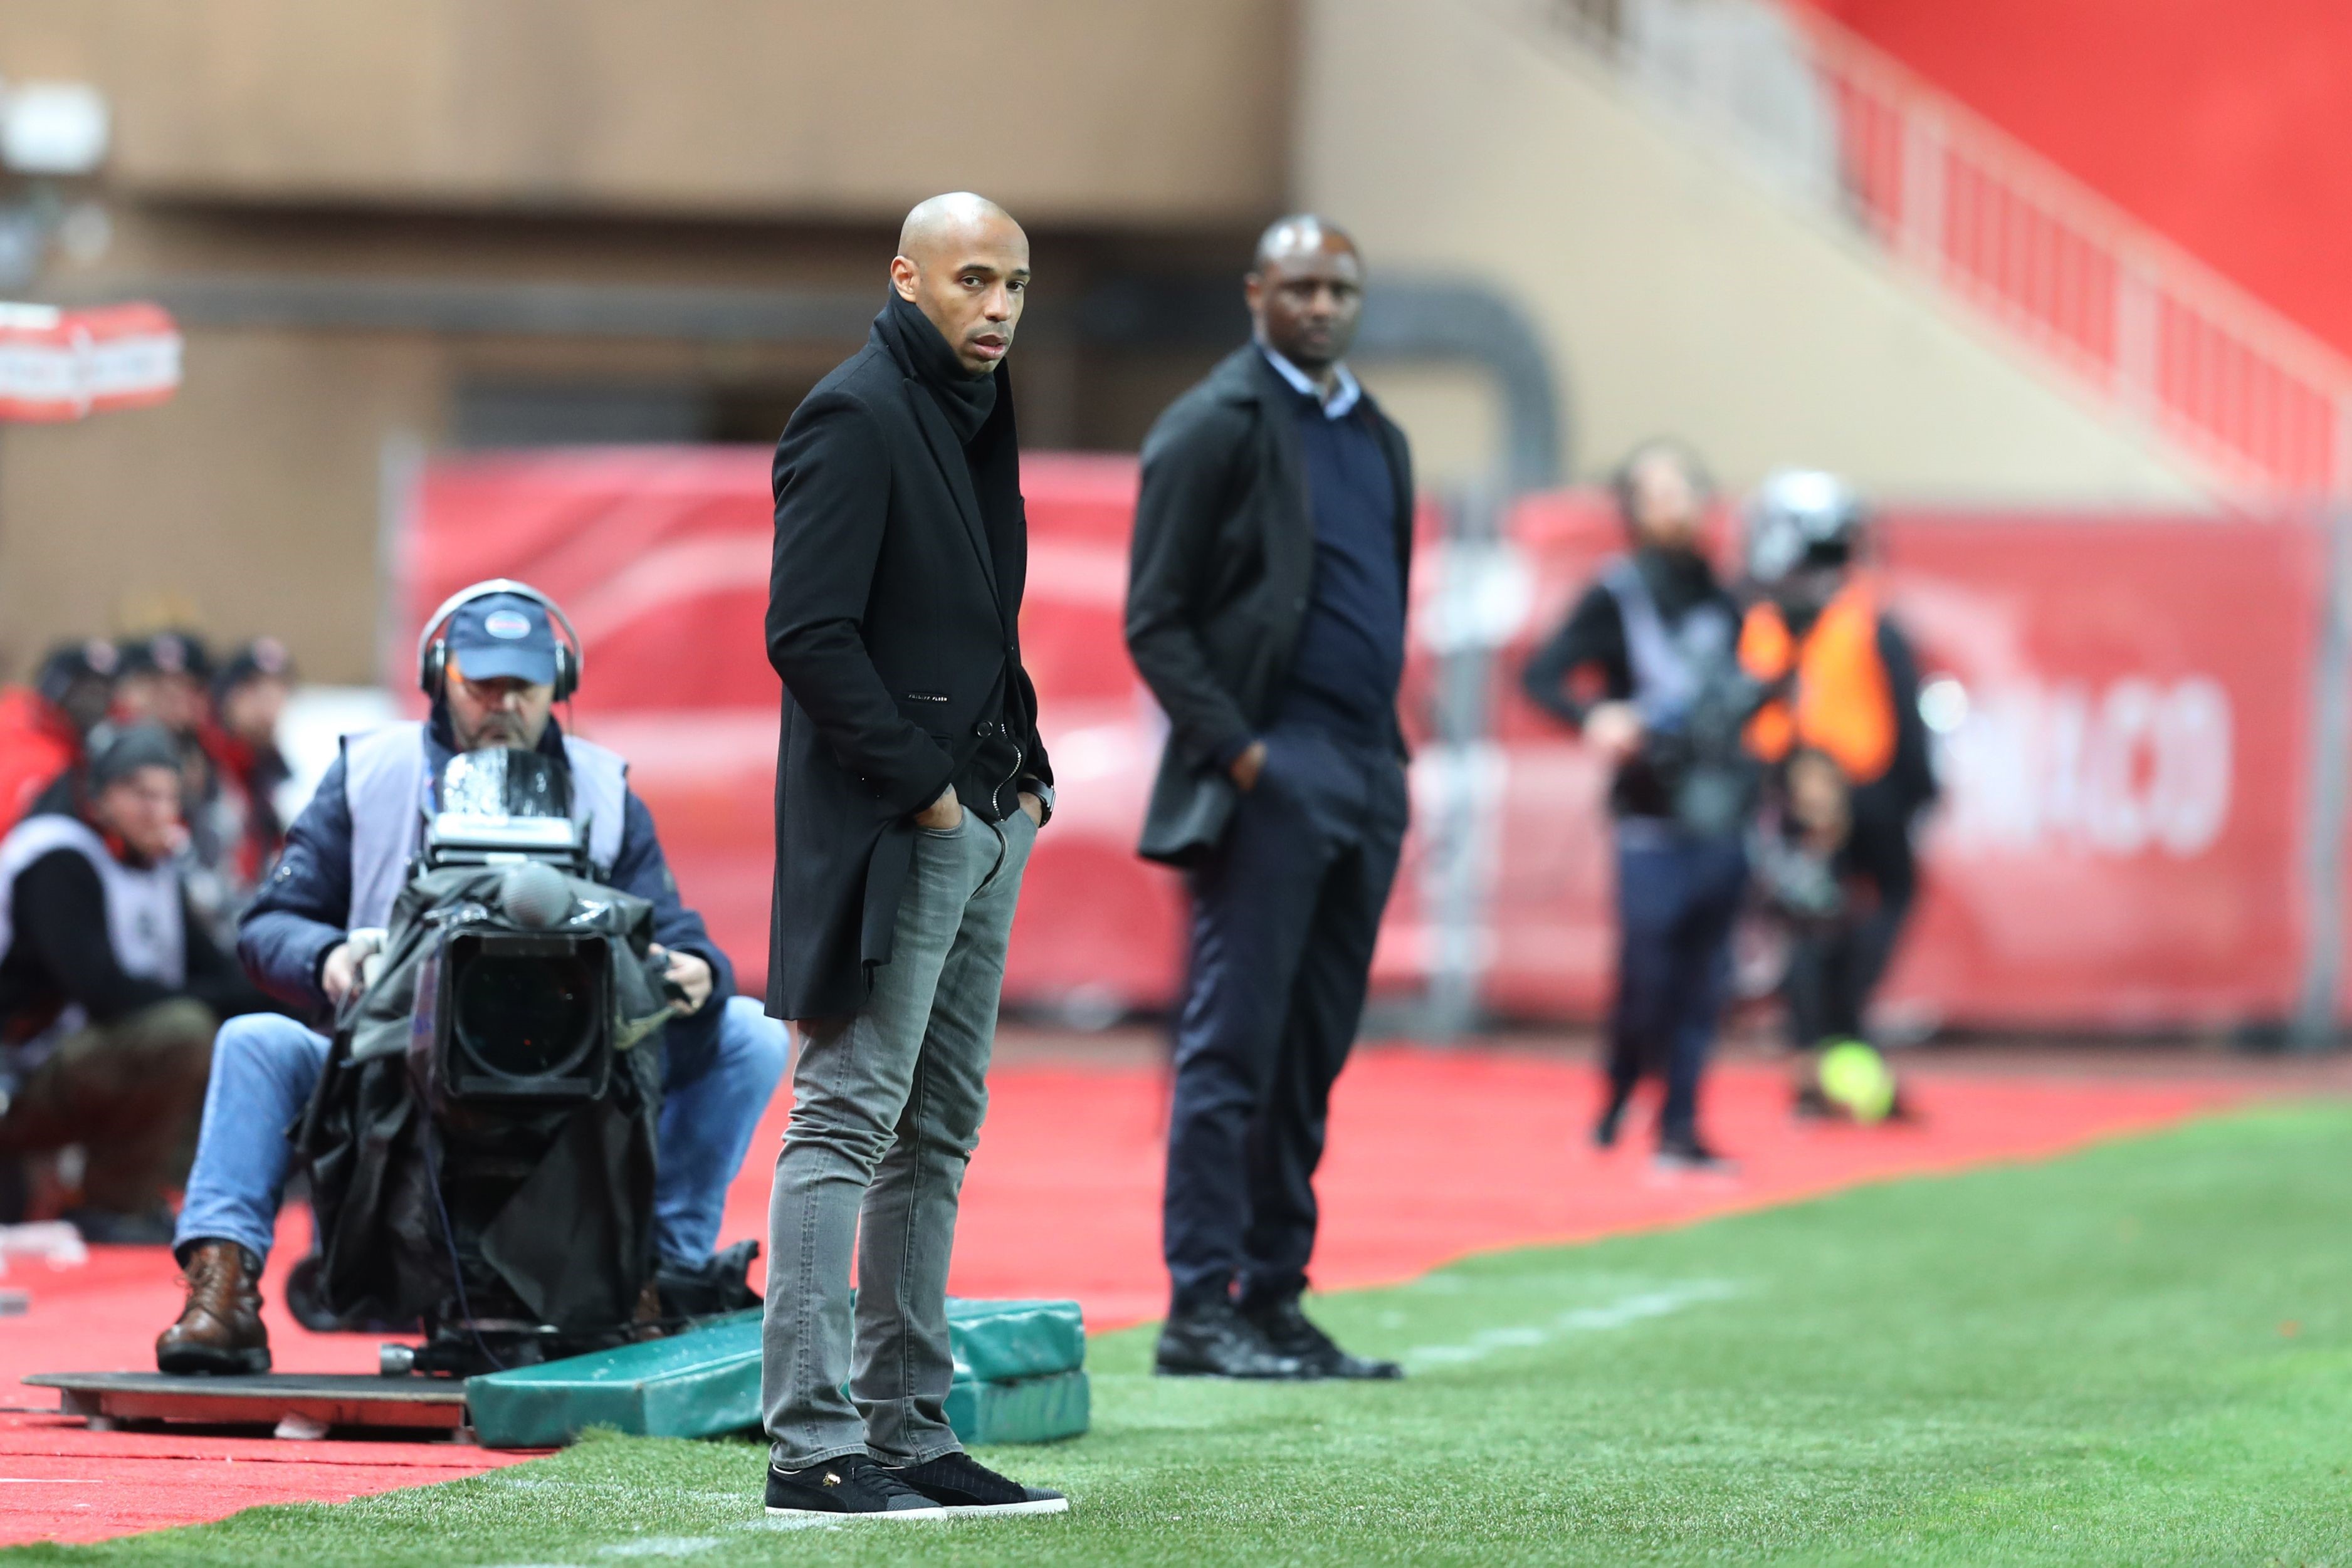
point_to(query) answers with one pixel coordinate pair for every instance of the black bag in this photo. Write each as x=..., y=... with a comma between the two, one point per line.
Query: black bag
x=429, y=1205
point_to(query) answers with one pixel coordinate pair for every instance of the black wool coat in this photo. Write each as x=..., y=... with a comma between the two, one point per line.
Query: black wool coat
x=894, y=625
x=1221, y=566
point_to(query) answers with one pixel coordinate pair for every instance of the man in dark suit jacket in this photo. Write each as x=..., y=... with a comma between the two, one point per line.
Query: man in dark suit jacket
x=1266, y=610
x=910, y=789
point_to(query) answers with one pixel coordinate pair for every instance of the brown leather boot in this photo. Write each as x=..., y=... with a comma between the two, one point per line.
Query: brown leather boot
x=220, y=1329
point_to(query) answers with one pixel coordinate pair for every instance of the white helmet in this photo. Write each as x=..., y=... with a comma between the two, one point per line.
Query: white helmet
x=1800, y=517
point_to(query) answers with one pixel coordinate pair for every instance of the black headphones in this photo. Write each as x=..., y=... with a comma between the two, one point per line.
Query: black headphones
x=433, y=643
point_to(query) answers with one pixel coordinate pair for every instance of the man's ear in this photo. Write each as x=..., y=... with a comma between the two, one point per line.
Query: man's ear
x=903, y=274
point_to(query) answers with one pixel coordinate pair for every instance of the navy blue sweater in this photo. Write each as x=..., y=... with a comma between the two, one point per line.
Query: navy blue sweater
x=1350, y=653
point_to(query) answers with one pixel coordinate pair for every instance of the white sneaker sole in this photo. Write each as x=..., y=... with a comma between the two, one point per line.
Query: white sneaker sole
x=999, y=1509
x=829, y=1516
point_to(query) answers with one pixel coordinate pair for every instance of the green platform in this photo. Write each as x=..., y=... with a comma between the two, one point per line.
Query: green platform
x=1020, y=1378
x=1027, y=1410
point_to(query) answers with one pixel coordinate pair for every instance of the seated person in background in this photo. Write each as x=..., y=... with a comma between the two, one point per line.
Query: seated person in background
x=492, y=675
x=109, y=993
x=240, y=737
x=167, y=678
x=44, y=728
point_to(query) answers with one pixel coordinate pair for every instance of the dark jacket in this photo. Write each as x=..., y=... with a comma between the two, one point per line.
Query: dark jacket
x=63, y=956
x=1593, y=638
x=297, y=916
x=894, y=619
x=1909, y=785
x=1223, y=565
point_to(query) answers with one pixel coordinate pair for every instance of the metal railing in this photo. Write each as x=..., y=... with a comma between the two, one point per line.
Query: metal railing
x=2133, y=319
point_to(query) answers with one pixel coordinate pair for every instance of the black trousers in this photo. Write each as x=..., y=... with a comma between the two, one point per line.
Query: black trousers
x=1284, y=917
x=1677, y=900
x=1833, y=970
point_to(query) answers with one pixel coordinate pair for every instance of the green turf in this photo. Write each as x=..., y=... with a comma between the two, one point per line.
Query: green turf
x=2139, y=1354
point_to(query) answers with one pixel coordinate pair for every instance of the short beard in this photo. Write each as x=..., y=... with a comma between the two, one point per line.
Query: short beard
x=500, y=733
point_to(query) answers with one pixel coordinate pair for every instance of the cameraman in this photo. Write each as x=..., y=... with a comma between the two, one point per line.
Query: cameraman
x=1855, y=773
x=346, y=859
x=1654, y=634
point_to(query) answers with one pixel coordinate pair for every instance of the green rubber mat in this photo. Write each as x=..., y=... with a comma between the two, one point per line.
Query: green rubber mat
x=997, y=1342
x=1019, y=1378
x=1027, y=1410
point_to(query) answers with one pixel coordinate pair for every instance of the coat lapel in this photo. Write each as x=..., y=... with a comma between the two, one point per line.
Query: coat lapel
x=947, y=453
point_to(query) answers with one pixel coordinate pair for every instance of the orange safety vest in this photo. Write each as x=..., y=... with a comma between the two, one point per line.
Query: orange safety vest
x=1843, y=703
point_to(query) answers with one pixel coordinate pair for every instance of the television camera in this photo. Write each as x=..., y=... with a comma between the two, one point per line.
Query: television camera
x=481, y=1147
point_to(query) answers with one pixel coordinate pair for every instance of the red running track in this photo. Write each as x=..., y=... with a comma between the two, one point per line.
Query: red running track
x=1433, y=1155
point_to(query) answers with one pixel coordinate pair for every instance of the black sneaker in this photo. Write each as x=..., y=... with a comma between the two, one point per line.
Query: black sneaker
x=851, y=1485
x=1290, y=1331
x=1684, y=1154
x=962, y=1485
x=1216, y=1341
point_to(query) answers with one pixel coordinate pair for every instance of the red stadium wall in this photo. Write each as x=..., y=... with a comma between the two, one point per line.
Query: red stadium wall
x=2226, y=126
x=2118, y=846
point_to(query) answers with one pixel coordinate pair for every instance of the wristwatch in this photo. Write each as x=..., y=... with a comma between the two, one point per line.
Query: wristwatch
x=1045, y=793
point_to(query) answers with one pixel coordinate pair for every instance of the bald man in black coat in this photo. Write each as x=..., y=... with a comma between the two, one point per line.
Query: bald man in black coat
x=911, y=787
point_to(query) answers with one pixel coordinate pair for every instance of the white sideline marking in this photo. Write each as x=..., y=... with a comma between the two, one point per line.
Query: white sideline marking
x=1617, y=1314
x=549, y=1483
x=660, y=1546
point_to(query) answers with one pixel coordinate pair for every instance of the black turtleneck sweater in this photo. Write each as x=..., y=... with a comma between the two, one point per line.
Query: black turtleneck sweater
x=1593, y=638
x=979, y=410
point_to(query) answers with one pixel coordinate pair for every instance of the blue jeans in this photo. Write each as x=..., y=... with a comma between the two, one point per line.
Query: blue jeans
x=1677, y=900
x=265, y=1066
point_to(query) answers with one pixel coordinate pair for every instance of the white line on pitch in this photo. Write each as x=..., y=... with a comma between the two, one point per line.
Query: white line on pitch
x=1621, y=1313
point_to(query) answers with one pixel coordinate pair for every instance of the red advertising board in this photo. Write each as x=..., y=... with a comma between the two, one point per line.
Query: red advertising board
x=67, y=364
x=2127, y=697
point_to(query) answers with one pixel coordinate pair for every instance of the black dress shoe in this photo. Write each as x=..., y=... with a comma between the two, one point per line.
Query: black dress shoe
x=1289, y=1331
x=1217, y=1340
x=1683, y=1154
x=966, y=1488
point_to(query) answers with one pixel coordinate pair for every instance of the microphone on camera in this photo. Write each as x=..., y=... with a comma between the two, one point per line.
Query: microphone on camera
x=535, y=895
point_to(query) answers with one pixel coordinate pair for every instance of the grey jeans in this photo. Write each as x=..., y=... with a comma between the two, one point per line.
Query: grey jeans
x=886, y=1106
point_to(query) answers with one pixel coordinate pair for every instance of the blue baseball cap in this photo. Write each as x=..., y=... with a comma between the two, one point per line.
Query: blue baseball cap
x=503, y=636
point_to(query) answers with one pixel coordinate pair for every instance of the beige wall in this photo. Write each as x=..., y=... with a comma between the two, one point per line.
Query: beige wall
x=245, y=505
x=1674, y=291
x=1099, y=110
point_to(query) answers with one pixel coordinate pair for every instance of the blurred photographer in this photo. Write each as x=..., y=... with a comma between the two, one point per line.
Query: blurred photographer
x=1854, y=776
x=109, y=992
x=494, y=668
x=1645, y=670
